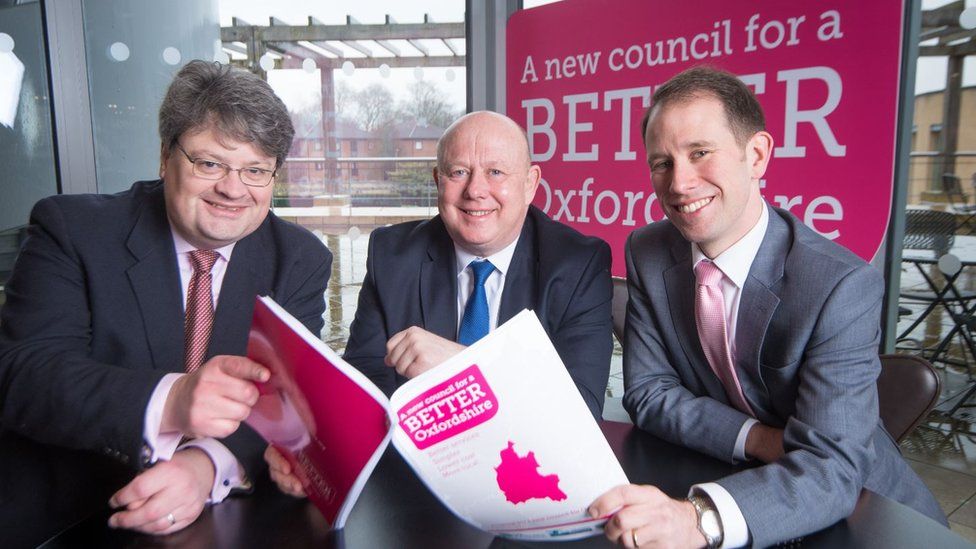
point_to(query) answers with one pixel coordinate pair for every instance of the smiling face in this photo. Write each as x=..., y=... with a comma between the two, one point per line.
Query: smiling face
x=485, y=182
x=706, y=181
x=213, y=213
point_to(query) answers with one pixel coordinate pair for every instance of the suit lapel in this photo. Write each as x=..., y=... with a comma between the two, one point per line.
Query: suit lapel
x=679, y=283
x=757, y=305
x=438, y=284
x=520, y=287
x=249, y=274
x=155, y=281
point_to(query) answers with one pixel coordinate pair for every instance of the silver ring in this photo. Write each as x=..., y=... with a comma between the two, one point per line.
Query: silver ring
x=172, y=519
x=633, y=536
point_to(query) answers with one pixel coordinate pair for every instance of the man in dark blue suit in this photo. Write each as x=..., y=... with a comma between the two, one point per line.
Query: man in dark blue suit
x=420, y=278
x=103, y=398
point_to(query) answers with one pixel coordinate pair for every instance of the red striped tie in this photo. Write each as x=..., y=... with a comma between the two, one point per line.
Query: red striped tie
x=199, y=309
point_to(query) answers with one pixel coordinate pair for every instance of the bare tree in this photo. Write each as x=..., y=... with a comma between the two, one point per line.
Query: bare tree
x=428, y=104
x=374, y=107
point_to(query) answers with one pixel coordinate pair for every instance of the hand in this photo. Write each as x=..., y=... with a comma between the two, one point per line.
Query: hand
x=649, y=515
x=281, y=473
x=415, y=350
x=215, y=399
x=764, y=443
x=179, y=487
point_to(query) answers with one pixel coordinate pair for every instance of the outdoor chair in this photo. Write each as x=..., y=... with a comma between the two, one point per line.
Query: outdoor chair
x=952, y=188
x=908, y=389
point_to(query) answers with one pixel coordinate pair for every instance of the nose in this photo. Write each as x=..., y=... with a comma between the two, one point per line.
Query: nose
x=477, y=186
x=683, y=178
x=231, y=185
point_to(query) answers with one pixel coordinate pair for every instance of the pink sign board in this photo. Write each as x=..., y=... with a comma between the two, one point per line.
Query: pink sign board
x=580, y=74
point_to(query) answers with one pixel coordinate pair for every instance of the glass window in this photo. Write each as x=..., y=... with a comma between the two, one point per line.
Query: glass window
x=26, y=142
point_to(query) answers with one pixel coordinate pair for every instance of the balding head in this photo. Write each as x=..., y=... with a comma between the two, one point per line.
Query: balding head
x=485, y=181
x=486, y=121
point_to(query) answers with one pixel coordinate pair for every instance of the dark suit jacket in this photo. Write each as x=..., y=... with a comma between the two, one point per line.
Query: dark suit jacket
x=92, y=322
x=411, y=280
x=807, y=358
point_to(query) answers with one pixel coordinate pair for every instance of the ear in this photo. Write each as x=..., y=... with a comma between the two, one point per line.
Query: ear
x=436, y=176
x=164, y=154
x=758, y=152
x=532, y=182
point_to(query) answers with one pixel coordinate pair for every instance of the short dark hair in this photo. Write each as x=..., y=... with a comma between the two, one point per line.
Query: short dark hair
x=235, y=102
x=742, y=110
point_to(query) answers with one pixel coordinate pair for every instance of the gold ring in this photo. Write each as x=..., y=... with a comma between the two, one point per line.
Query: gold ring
x=633, y=536
x=172, y=519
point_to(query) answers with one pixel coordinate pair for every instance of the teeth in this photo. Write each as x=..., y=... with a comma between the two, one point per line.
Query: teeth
x=694, y=206
x=228, y=208
x=477, y=213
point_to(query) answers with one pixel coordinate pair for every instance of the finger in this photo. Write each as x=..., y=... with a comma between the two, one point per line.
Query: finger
x=276, y=461
x=243, y=368
x=394, y=353
x=608, y=503
x=396, y=340
x=141, y=488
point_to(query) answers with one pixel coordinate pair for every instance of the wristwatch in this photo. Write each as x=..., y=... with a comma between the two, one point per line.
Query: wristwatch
x=709, y=523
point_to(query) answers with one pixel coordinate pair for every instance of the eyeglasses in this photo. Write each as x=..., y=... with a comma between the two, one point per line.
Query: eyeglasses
x=210, y=169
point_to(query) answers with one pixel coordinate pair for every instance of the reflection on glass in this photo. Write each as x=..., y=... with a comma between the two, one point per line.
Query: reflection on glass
x=366, y=124
x=26, y=140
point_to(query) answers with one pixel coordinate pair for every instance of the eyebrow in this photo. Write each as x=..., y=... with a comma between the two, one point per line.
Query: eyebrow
x=210, y=155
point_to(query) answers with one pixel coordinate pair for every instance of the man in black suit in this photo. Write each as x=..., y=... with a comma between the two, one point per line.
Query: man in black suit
x=419, y=275
x=102, y=396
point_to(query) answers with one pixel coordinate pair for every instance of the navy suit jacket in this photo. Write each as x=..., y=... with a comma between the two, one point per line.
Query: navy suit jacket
x=411, y=280
x=94, y=319
x=807, y=359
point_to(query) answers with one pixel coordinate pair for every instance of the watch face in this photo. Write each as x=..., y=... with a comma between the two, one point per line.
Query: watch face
x=710, y=524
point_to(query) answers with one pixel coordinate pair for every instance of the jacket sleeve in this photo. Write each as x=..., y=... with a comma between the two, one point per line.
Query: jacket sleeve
x=366, y=348
x=828, y=439
x=51, y=390
x=584, y=337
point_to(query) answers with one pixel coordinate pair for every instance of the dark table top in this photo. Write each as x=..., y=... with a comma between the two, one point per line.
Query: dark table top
x=396, y=510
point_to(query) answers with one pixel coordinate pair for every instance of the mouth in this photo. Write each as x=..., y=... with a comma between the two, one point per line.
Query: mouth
x=224, y=207
x=477, y=213
x=694, y=206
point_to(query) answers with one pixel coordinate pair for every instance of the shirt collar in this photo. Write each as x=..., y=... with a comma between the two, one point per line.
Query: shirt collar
x=736, y=261
x=184, y=247
x=500, y=260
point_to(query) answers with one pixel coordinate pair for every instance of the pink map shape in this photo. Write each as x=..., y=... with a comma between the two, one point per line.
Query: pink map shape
x=519, y=478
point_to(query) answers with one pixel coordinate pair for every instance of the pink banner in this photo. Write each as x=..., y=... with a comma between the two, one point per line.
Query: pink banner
x=581, y=72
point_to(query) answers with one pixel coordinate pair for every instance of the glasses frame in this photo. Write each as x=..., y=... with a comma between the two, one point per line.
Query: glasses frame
x=227, y=169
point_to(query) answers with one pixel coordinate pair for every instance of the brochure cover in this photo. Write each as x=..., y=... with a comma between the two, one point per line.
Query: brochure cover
x=499, y=432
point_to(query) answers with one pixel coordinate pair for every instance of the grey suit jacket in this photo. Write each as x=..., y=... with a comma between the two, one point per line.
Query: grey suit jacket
x=411, y=280
x=94, y=319
x=806, y=356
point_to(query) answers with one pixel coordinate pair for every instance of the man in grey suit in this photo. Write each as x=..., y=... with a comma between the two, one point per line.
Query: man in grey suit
x=771, y=356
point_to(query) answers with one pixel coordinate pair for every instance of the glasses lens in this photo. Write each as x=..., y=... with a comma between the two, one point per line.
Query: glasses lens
x=256, y=176
x=208, y=169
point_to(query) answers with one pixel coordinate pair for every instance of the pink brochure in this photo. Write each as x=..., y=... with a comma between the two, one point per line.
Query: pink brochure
x=304, y=411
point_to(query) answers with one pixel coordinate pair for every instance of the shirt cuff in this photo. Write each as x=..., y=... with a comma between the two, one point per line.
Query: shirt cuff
x=735, y=533
x=228, y=473
x=159, y=445
x=739, y=452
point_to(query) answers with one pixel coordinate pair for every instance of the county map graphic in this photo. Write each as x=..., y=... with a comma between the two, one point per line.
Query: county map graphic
x=519, y=478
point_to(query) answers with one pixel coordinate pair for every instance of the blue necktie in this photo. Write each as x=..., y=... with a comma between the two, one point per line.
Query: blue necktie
x=474, y=323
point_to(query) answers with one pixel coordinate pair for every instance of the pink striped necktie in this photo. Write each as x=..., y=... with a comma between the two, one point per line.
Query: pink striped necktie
x=199, y=309
x=713, y=332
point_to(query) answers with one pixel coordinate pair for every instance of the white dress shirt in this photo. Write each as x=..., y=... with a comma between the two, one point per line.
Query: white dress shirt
x=493, y=285
x=228, y=473
x=735, y=263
